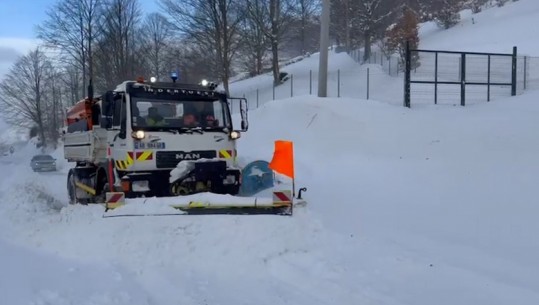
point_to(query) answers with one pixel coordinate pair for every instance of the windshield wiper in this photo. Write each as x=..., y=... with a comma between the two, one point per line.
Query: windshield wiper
x=174, y=131
x=191, y=129
x=223, y=129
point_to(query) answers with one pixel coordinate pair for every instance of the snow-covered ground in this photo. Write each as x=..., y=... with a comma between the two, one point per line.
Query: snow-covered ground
x=429, y=205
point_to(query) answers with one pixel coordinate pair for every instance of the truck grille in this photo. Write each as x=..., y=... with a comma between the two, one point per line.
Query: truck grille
x=169, y=159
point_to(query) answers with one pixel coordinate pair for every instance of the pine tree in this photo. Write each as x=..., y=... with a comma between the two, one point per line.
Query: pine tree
x=447, y=13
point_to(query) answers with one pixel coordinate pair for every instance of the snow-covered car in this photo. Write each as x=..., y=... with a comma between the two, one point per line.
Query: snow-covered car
x=41, y=163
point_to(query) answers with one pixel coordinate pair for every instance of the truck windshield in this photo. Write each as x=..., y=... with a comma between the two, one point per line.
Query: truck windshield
x=157, y=114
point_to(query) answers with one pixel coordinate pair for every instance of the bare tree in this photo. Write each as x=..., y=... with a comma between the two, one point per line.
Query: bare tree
x=305, y=11
x=71, y=82
x=71, y=27
x=214, y=26
x=23, y=92
x=254, y=40
x=158, y=34
x=54, y=106
x=341, y=22
x=273, y=22
x=115, y=54
x=372, y=18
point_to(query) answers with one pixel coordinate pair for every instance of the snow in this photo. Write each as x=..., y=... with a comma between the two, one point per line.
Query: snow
x=165, y=205
x=495, y=30
x=184, y=167
x=55, y=280
x=431, y=205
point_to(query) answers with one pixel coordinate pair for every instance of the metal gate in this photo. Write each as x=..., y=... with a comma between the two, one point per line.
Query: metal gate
x=453, y=76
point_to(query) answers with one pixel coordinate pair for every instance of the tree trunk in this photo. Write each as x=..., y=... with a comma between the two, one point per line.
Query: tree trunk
x=348, y=24
x=275, y=62
x=259, y=62
x=367, y=54
x=275, y=8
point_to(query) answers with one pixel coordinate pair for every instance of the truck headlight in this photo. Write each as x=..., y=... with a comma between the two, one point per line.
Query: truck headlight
x=139, y=134
x=235, y=135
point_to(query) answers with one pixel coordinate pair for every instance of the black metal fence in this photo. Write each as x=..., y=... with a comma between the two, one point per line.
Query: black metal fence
x=459, y=77
x=527, y=73
x=390, y=64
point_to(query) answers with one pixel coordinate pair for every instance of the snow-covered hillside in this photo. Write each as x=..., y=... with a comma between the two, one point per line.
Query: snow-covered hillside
x=429, y=205
x=494, y=30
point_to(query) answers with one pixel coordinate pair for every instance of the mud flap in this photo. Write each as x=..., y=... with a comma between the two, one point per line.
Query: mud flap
x=114, y=200
x=256, y=177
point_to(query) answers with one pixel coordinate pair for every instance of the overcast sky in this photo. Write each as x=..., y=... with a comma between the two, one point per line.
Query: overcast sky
x=18, y=19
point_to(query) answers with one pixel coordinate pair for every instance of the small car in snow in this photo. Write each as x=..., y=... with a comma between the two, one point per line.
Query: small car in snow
x=41, y=163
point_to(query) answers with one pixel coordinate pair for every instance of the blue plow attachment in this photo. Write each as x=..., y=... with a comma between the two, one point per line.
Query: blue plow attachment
x=256, y=177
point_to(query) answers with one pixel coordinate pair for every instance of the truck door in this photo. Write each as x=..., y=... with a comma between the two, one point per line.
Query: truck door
x=121, y=140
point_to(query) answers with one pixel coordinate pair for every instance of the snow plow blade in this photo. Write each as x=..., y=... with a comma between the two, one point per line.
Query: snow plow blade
x=281, y=203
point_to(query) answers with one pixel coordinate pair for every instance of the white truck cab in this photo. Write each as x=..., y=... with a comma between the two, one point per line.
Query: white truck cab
x=155, y=139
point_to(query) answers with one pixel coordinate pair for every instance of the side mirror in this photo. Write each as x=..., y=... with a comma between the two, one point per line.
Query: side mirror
x=107, y=110
x=243, y=111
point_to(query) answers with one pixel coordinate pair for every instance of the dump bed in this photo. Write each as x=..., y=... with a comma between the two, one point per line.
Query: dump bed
x=86, y=146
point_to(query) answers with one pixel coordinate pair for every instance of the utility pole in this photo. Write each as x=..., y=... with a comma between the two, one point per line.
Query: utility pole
x=324, y=45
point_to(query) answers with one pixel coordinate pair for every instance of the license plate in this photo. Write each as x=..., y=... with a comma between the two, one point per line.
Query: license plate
x=149, y=145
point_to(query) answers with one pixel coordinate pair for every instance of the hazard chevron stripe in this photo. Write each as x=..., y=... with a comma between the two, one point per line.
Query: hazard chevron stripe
x=129, y=159
x=120, y=164
x=114, y=199
x=282, y=197
x=227, y=154
x=144, y=156
x=124, y=164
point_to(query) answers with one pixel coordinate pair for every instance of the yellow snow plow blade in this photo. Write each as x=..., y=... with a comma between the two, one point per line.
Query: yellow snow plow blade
x=281, y=203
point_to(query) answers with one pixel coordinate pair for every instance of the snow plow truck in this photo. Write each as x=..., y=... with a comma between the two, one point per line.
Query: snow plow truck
x=165, y=139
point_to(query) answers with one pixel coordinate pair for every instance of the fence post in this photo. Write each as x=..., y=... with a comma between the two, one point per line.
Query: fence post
x=273, y=91
x=407, y=76
x=488, y=80
x=514, y=73
x=463, y=79
x=339, y=83
x=310, y=82
x=436, y=78
x=291, y=85
x=256, y=97
x=368, y=82
x=525, y=71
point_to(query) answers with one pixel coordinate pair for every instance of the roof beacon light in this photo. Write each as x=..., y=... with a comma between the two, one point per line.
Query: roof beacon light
x=153, y=79
x=174, y=76
x=204, y=82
